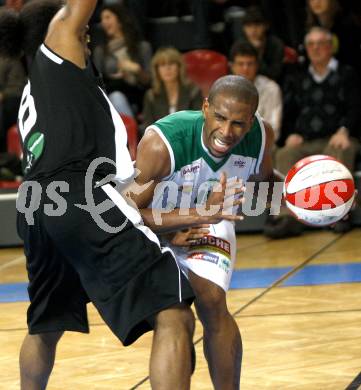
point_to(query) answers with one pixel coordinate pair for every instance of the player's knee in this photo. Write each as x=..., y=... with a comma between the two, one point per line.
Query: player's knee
x=178, y=319
x=212, y=306
x=49, y=340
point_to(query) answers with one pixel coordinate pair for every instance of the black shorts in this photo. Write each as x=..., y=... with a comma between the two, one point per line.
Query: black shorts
x=71, y=261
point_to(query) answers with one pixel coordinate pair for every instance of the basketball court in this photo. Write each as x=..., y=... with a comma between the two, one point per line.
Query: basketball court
x=296, y=301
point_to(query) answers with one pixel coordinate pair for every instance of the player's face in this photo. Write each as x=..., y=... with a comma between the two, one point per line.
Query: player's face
x=227, y=121
x=110, y=23
x=168, y=71
x=246, y=66
x=319, y=48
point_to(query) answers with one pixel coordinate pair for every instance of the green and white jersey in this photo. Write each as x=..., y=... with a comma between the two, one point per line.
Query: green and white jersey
x=193, y=168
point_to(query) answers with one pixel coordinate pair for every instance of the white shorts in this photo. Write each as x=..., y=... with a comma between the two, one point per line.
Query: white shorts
x=213, y=256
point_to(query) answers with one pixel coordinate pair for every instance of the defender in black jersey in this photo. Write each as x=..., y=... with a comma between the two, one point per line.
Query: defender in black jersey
x=65, y=122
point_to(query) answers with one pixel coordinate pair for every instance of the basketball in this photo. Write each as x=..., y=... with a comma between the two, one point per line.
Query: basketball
x=319, y=190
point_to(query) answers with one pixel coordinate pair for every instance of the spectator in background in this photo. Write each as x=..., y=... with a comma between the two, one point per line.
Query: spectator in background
x=15, y=4
x=322, y=112
x=345, y=27
x=12, y=81
x=124, y=59
x=171, y=91
x=12, y=73
x=244, y=62
x=269, y=47
x=287, y=20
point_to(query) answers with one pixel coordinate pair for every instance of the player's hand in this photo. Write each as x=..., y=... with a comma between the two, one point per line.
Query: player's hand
x=129, y=66
x=294, y=140
x=340, y=140
x=188, y=236
x=225, y=197
x=356, y=202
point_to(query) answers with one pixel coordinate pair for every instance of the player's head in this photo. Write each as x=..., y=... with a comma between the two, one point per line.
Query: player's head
x=35, y=17
x=228, y=113
x=25, y=31
x=11, y=33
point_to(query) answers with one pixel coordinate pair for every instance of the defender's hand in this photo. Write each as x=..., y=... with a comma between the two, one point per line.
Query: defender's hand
x=188, y=236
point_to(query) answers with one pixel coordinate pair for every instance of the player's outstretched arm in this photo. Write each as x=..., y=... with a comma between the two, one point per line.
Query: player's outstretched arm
x=67, y=33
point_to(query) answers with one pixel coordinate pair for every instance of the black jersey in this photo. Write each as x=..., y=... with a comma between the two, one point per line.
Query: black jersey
x=66, y=121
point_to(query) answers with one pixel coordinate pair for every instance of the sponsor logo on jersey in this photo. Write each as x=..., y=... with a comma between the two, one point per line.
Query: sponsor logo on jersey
x=213, y=244
x=190, y=169
x=239, y=163
x=225, y=265
x=34, y=149
x=212, y=258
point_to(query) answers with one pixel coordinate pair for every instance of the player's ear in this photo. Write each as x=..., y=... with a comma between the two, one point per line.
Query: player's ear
x=205, y=106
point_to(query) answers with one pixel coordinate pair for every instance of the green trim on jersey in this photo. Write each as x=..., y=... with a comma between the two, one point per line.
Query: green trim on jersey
x=183, y=131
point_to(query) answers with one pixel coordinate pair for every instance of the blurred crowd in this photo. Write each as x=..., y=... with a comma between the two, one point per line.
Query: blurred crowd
x=304, y=57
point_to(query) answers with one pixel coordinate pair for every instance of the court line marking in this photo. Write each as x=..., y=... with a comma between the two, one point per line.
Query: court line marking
x=100, y=324
x=258, y=243
x=266, y=290
x=320, y=312
x=17, y=260
x=355, y=384
x=6, y=197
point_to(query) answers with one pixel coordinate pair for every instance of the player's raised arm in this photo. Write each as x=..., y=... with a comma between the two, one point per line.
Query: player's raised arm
x=67, y=33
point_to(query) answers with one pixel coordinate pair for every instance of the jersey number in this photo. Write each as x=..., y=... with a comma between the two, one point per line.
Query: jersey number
x=27, y=112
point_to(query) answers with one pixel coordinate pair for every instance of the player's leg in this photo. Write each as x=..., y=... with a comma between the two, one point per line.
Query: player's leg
x=37, y=357
x=130, y=279
x=222, y=340
x=170, y=364
x=57, y=304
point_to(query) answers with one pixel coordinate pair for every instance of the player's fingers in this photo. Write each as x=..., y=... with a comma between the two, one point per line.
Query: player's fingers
x=199, y=231
x=236, y=184
x=233, y=217
x=223, y=179
x=195, y=237
x=230, y=203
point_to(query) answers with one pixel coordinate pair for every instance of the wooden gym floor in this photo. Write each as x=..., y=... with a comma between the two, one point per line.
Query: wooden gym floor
x=296, y=301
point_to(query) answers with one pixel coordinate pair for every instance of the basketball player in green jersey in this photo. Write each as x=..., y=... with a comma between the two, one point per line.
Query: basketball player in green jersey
x=190, y=149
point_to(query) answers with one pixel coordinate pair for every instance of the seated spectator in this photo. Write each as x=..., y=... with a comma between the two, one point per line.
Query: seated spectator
x=322, y=106
x=124, y=59
x=170, y=90
x=12, y=73
x=321, y=109
x=12, y=81
x=244, y=62
x=15, y=4
x=270, y=48
x=344, y=26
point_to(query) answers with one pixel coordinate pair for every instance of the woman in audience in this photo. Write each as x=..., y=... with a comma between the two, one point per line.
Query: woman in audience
x=123, y=59
x=170, y=91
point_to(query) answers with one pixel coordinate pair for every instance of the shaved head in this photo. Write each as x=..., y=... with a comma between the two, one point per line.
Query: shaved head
x=236, y=87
